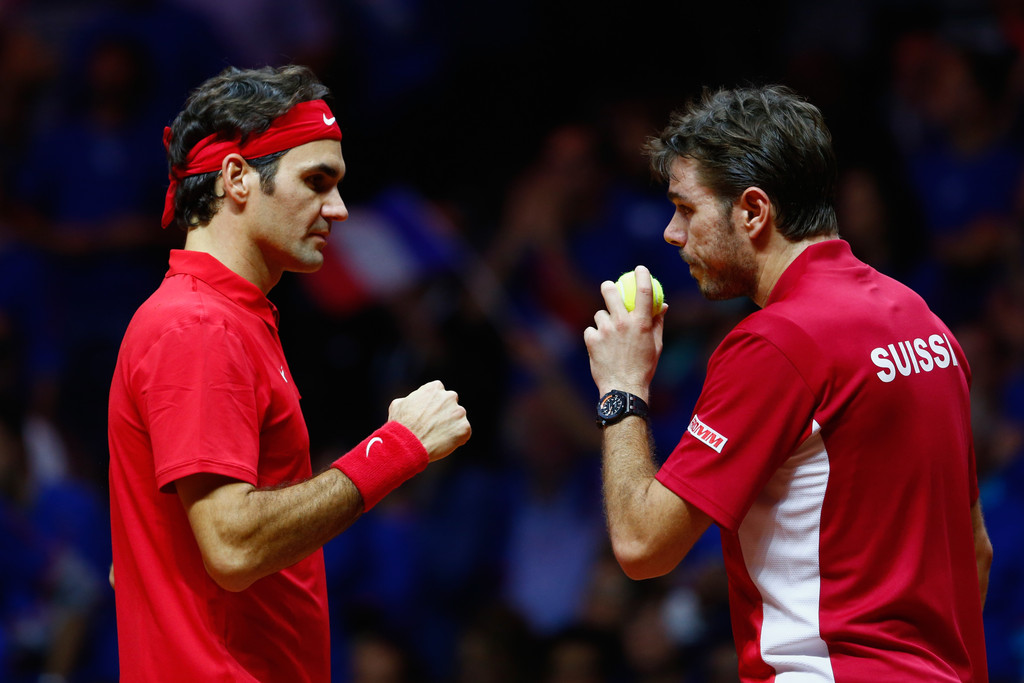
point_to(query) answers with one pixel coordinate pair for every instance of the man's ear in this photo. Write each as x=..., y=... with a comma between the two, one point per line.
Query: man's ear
x=236, y=178
x=756, y=209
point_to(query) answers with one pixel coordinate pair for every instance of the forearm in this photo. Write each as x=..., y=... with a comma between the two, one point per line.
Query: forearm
x=282, y=526
x=629, y=471
x=651, y=527
x=247, y=533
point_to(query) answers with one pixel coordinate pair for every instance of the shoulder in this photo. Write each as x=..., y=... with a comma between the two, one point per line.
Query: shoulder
x=184, y=306
x=757, y=344
x=779, y=343
x=785, y=327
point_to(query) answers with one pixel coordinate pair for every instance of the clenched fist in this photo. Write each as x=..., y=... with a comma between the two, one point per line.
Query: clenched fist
x=434, y=415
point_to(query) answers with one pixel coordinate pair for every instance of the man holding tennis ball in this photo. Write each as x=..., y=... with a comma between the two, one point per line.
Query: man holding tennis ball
x=831, y=443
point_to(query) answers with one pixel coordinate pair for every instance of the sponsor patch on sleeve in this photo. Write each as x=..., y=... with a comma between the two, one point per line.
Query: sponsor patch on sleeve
x=706, y=434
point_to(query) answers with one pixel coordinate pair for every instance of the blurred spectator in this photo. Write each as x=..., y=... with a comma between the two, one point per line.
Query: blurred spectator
x=29, y=369
x=378, y=657
x=998, y=394
x=496, y=646
x=53, y=591
x=545, y=211
x=271, y=34
x=556, y=530
x=1004, y=613
x=651, y=654
x=27, y=66
x=101, y=250
x=965, y=167
x=395, y=302
x=876, y=220
x=581, y=655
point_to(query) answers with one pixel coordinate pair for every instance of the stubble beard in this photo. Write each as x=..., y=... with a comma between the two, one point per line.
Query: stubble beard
x=729, y=282
x=734, y=273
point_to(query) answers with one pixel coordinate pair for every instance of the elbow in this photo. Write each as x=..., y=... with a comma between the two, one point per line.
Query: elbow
x=233, y=583
x=230, y=569
x=639, y=560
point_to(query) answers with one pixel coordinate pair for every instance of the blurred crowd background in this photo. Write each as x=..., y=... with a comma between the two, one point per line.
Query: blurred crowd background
x=495, y=179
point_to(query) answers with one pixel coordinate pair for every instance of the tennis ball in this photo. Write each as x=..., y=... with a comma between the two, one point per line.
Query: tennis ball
x=627, y=287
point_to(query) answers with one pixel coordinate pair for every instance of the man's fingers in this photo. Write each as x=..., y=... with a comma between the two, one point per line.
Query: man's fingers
x=644, y=300
x=612, y=298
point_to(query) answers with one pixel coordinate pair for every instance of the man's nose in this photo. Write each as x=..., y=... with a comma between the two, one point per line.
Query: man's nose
x=675, y=233
x=334, y=209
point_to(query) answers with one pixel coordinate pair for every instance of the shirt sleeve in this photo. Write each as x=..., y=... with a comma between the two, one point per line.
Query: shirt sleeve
x=753, y=412
x=197, y=390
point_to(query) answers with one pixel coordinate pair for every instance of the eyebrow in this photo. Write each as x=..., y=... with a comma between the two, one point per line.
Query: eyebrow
x=675, y=196
x=327, y=169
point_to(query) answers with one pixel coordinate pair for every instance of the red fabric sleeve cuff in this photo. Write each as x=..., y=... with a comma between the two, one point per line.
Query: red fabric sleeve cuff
x=383, y=461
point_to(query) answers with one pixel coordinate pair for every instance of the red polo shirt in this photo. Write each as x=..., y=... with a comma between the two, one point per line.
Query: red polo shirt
x=201, y=385
x=832, y=445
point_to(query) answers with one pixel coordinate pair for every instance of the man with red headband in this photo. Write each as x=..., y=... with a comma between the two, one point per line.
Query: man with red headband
x=217, y=518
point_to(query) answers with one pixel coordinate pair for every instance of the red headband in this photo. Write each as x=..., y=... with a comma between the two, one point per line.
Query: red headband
x=305, y=122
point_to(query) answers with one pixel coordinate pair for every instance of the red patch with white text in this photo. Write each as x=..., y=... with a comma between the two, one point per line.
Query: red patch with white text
x=706, y=434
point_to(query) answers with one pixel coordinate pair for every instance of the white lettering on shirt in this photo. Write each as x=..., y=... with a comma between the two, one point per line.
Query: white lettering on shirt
x=913, y=356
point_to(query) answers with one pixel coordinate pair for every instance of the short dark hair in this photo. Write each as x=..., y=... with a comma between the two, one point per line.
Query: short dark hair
x=234, y=104
x=767, y=137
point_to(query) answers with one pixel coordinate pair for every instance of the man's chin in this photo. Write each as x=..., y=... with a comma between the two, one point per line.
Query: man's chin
x=309, y=264
x=715, y=291
x=717, y=295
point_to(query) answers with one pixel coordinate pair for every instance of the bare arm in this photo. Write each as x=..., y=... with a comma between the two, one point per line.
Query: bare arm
x=245, y=533
x=982, y=549
x=651, y=528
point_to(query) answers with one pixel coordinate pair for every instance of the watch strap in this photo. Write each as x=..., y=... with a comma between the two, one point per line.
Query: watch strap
x=631, y=405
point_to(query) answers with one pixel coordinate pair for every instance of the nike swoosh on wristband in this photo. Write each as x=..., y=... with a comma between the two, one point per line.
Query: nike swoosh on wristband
x=330, y=121
x=372, y=441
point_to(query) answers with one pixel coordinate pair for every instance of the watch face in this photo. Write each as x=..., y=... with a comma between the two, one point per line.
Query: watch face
x=611, y=405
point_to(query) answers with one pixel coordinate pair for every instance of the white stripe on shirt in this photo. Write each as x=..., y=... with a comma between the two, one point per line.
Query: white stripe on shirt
x=779, y=538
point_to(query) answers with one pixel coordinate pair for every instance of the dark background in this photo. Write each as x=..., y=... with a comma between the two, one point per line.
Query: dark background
x=494, y=180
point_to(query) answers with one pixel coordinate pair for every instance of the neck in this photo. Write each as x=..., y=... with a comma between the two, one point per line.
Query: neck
x=239, y=256
x=776, y=259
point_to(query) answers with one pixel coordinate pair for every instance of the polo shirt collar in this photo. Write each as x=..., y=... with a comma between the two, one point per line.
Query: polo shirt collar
x=230, y=284
x=824, y=255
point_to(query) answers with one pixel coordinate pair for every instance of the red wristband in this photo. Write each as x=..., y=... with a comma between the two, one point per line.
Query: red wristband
x=383, y=461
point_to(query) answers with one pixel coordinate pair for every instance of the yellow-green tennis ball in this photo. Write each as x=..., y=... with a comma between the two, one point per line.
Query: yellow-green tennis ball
x=627, y=287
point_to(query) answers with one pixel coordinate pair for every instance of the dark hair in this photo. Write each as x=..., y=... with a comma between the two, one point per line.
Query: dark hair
x=767, y=137
x=234, y=104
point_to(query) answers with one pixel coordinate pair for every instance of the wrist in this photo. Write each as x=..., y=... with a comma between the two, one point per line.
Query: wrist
x=616, y=405
x=641, y=390
x=383, y=461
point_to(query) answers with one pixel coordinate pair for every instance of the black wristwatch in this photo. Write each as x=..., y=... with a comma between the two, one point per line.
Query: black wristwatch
x=616, y=405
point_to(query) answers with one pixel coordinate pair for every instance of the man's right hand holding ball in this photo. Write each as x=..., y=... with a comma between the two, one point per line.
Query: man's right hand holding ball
x=624, y=345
